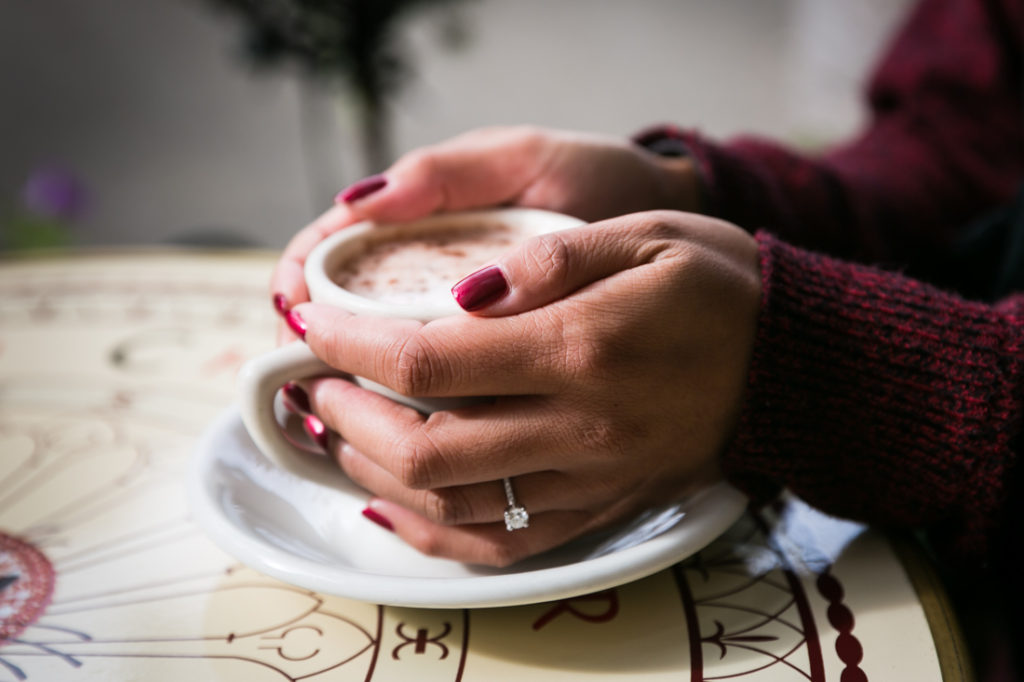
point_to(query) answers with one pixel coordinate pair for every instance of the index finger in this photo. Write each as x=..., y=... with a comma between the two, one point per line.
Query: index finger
x=481, y=168
x=454, y=356
x=288, y=280
x=571, y=334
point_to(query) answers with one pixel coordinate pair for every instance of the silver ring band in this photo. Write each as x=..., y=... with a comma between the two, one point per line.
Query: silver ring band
x=516, y=516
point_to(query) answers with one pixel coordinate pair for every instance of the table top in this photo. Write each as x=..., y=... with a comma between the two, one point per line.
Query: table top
x=113, y=364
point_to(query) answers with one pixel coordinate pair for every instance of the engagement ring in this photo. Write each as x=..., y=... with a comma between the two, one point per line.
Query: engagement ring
x=516, y=516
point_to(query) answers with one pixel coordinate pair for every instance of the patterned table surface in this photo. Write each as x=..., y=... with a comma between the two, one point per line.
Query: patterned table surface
x=112, y=365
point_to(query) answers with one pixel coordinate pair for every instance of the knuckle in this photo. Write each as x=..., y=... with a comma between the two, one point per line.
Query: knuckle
x=501, y=553
x=585, y=356
x=424, y=460
x=353, y=466
x=550, y=257
x=421, y=162
x=532, y=137
x=416, y=464
x=591, y=356
x=664, y=233
x=448, y=506
x=326, y=343
x=429, y=541
x=659, y=233
x=415, y=368
x=611, y=438
x=436, y=541
x=660, y=224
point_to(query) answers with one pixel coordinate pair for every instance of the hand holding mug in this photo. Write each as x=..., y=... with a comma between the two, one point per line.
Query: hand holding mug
x=381, y=272
x=617, y=361
x=589, y=176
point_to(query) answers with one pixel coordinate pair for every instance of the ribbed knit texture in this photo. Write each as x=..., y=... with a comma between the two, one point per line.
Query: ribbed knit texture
x=875, y=397
x=872, y=395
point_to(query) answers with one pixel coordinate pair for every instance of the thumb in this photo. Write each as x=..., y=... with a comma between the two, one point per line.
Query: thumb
x=548, y=267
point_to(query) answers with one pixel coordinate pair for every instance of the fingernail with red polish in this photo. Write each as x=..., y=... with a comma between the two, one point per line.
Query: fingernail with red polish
x=296, y=323
x=280, y=303
x=480, y=289
x=361, y=189
x=316, y=430
x=295, y=398
x=378, y=518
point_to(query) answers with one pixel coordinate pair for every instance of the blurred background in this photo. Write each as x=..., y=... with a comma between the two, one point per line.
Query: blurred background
x=128, y=122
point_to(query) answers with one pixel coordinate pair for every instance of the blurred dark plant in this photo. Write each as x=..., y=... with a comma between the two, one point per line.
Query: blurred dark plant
x=354, y=42
x=52, y=199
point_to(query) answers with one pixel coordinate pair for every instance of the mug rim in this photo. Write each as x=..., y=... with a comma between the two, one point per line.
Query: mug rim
x=327, y=253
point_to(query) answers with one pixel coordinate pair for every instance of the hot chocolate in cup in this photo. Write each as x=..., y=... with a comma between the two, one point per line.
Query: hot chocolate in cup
x=418, y=269
x=401, y=270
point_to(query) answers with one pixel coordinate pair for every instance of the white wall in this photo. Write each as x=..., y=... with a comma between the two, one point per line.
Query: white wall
x=148, y=101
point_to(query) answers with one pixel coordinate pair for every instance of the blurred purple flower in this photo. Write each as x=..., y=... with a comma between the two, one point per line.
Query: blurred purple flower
x=54, y=193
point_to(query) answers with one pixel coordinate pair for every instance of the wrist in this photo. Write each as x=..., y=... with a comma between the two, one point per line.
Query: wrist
x=680, y=171
x=681, y=183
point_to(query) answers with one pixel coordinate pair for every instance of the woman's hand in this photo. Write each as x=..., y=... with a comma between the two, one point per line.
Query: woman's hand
x=588, y=176
x=619, y=361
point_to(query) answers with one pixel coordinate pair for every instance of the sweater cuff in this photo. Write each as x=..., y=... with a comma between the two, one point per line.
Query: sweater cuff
x=727, y=182
x=875, y=397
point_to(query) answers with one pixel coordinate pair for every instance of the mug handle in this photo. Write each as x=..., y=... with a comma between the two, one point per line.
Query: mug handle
x=261, y=377
x=258, y=382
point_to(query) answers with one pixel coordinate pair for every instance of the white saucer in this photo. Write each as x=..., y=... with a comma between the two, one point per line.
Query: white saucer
x=313, y=535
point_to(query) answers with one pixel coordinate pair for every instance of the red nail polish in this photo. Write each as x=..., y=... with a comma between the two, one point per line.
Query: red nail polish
x=295, y=398
x=378, y=518
x=361, y=189
x=296, y=323
x=280, y=303
x=480, y=289
x=316, y=430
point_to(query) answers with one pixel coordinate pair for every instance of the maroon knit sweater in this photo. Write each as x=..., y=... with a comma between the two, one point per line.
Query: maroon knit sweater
x=876, y=397
x=873, y=395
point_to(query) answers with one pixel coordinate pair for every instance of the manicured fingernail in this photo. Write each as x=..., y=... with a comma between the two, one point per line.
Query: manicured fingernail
x=363, y=188
x=316, y=430
x=295, y=398
x=480, y=289
x=378, y=518
x=296, y=323
x=280, y=303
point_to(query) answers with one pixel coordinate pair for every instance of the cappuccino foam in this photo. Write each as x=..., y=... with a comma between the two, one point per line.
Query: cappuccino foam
x=421, y=268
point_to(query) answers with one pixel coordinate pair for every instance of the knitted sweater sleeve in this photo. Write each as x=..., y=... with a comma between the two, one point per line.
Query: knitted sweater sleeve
x=944, y=141
x=876, y=397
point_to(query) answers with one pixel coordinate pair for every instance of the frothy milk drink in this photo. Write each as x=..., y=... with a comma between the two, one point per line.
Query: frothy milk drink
x=421, y=268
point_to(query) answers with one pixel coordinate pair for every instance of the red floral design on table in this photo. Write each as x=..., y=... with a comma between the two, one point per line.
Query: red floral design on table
x=26, y=585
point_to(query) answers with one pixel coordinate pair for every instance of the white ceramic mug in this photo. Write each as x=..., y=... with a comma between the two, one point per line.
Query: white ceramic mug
x=262, y=377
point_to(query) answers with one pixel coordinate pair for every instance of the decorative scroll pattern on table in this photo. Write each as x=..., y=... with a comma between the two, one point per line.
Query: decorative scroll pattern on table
x=109, y=370
x=776, y=625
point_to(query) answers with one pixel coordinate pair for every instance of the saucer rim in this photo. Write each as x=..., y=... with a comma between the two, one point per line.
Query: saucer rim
x=711, y=513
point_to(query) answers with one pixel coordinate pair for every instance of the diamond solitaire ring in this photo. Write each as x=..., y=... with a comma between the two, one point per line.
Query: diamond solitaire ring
x=516, y=516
